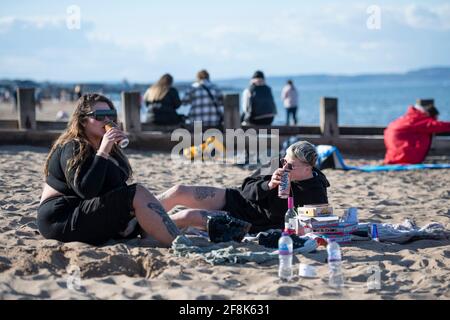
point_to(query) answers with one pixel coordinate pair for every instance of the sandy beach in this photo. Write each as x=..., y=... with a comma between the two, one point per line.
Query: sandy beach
x=32, y=267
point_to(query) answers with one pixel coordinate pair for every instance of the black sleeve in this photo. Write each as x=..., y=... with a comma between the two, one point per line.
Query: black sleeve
x=91, y=176
x=315, y=196
x=256, y=187
x=175, y=98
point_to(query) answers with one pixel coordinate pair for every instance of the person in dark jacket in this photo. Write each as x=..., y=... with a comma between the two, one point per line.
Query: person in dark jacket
x=258, y=103
x=256, y=201
x=86, y=197
x=162, y=101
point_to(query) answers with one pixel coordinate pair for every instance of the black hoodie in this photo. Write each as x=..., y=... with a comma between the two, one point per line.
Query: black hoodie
x=255, y=189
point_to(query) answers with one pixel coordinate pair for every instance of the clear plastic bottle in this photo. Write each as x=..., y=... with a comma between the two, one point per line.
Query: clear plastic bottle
x=285, y=253
x=336, y=279
x=290, y=217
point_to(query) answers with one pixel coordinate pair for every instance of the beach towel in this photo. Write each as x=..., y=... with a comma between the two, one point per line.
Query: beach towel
x=230, y=252
x=330, y=157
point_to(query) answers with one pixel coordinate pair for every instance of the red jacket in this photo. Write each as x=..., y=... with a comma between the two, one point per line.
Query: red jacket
x=408, y=139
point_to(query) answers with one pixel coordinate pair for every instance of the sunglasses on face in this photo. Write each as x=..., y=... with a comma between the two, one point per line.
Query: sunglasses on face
x=100, y=115
x=291, y=166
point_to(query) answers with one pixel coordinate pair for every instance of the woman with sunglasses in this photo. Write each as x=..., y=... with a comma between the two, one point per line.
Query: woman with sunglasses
x=86, y=197
x=256, y=201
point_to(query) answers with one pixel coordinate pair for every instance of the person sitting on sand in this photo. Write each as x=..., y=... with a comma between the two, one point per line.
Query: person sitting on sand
x=256, y=201
x=85, y=196
x=258, y=104
x=206, y=101
x=162, y=101
x=408, y=139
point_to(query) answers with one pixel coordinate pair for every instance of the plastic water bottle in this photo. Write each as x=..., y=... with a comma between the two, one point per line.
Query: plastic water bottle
x=336, y=279
x=285, y=252
x=290, y=218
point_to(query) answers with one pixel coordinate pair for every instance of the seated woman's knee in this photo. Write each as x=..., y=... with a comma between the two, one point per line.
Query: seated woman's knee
x=140, y=189
x=180, y=189
x=142, y=194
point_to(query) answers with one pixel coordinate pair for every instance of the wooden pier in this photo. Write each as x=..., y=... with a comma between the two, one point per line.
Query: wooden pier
x=351, y=140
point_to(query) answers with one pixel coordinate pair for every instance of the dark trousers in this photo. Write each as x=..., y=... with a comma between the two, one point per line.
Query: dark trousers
x=263, y=121
x=291, y=111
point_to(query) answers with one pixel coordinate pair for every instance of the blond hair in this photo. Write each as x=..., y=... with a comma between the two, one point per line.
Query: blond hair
x=159, y=90
x=304, y=151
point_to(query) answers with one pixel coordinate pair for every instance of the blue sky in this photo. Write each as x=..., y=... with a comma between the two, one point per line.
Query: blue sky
x=140, y=40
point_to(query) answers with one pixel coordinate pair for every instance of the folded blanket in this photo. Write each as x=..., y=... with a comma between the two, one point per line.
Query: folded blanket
x=231, y=252
x=407, y=231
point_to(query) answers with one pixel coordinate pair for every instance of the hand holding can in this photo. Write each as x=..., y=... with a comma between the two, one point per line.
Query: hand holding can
x=284, y=187
x=122, y=143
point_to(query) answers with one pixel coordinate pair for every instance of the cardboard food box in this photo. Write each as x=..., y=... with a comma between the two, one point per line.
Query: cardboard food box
x=315, y=210
x=329, y=226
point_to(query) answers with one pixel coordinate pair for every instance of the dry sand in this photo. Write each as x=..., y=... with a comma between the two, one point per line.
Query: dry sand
x=47, y=113
x=32, y=267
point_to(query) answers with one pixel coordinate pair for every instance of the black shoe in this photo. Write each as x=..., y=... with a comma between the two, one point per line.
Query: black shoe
x=270, y=240
x=223, y=228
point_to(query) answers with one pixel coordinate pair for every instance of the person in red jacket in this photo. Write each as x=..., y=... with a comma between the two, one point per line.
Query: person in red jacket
x=408, y=138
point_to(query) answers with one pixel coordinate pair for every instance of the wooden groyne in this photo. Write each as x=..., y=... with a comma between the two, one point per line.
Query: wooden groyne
x=351, y=140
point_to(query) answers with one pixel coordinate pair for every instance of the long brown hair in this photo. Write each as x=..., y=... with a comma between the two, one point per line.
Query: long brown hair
x=159, y=90
x=75, y=131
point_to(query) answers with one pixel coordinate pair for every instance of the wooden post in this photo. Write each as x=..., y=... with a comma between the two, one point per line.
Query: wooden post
x=131, y=103
x=231, y=116
x=425, y=102
x=27, y=108
x=329, y=117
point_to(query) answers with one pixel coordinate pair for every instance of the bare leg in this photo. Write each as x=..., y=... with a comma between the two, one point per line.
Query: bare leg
x=207, y=198
x=152, y=217
x=196, y=218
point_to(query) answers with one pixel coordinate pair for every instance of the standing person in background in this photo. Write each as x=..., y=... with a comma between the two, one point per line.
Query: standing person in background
x=78, y=92
x=258, y=103
x=408, y=139
x=162, y=100
x=206, y=101
x=289, y=95
x=15, y=98
x=38, y=98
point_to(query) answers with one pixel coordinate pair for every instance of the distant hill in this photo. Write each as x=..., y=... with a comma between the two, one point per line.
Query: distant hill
x=434, y=73
x=437, y=73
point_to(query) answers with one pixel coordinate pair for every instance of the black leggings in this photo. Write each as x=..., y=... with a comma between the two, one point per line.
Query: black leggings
x=291, y=112
x=93, y=221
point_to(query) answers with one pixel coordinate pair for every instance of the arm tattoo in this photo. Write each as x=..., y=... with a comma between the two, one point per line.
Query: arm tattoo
x=201, y=193
x=170, y=225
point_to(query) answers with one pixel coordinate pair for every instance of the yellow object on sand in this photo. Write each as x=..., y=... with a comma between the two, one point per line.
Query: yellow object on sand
x=205, y=148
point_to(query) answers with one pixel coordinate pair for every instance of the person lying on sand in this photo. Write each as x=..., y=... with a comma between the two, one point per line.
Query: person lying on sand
x=256, y=201
x=85, y=196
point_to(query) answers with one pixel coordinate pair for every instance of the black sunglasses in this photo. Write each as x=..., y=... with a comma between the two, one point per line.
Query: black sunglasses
x=100, y=115
x=283, y=162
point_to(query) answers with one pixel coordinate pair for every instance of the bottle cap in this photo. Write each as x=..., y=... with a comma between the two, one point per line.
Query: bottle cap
x=290, y=202
x=374, y=233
